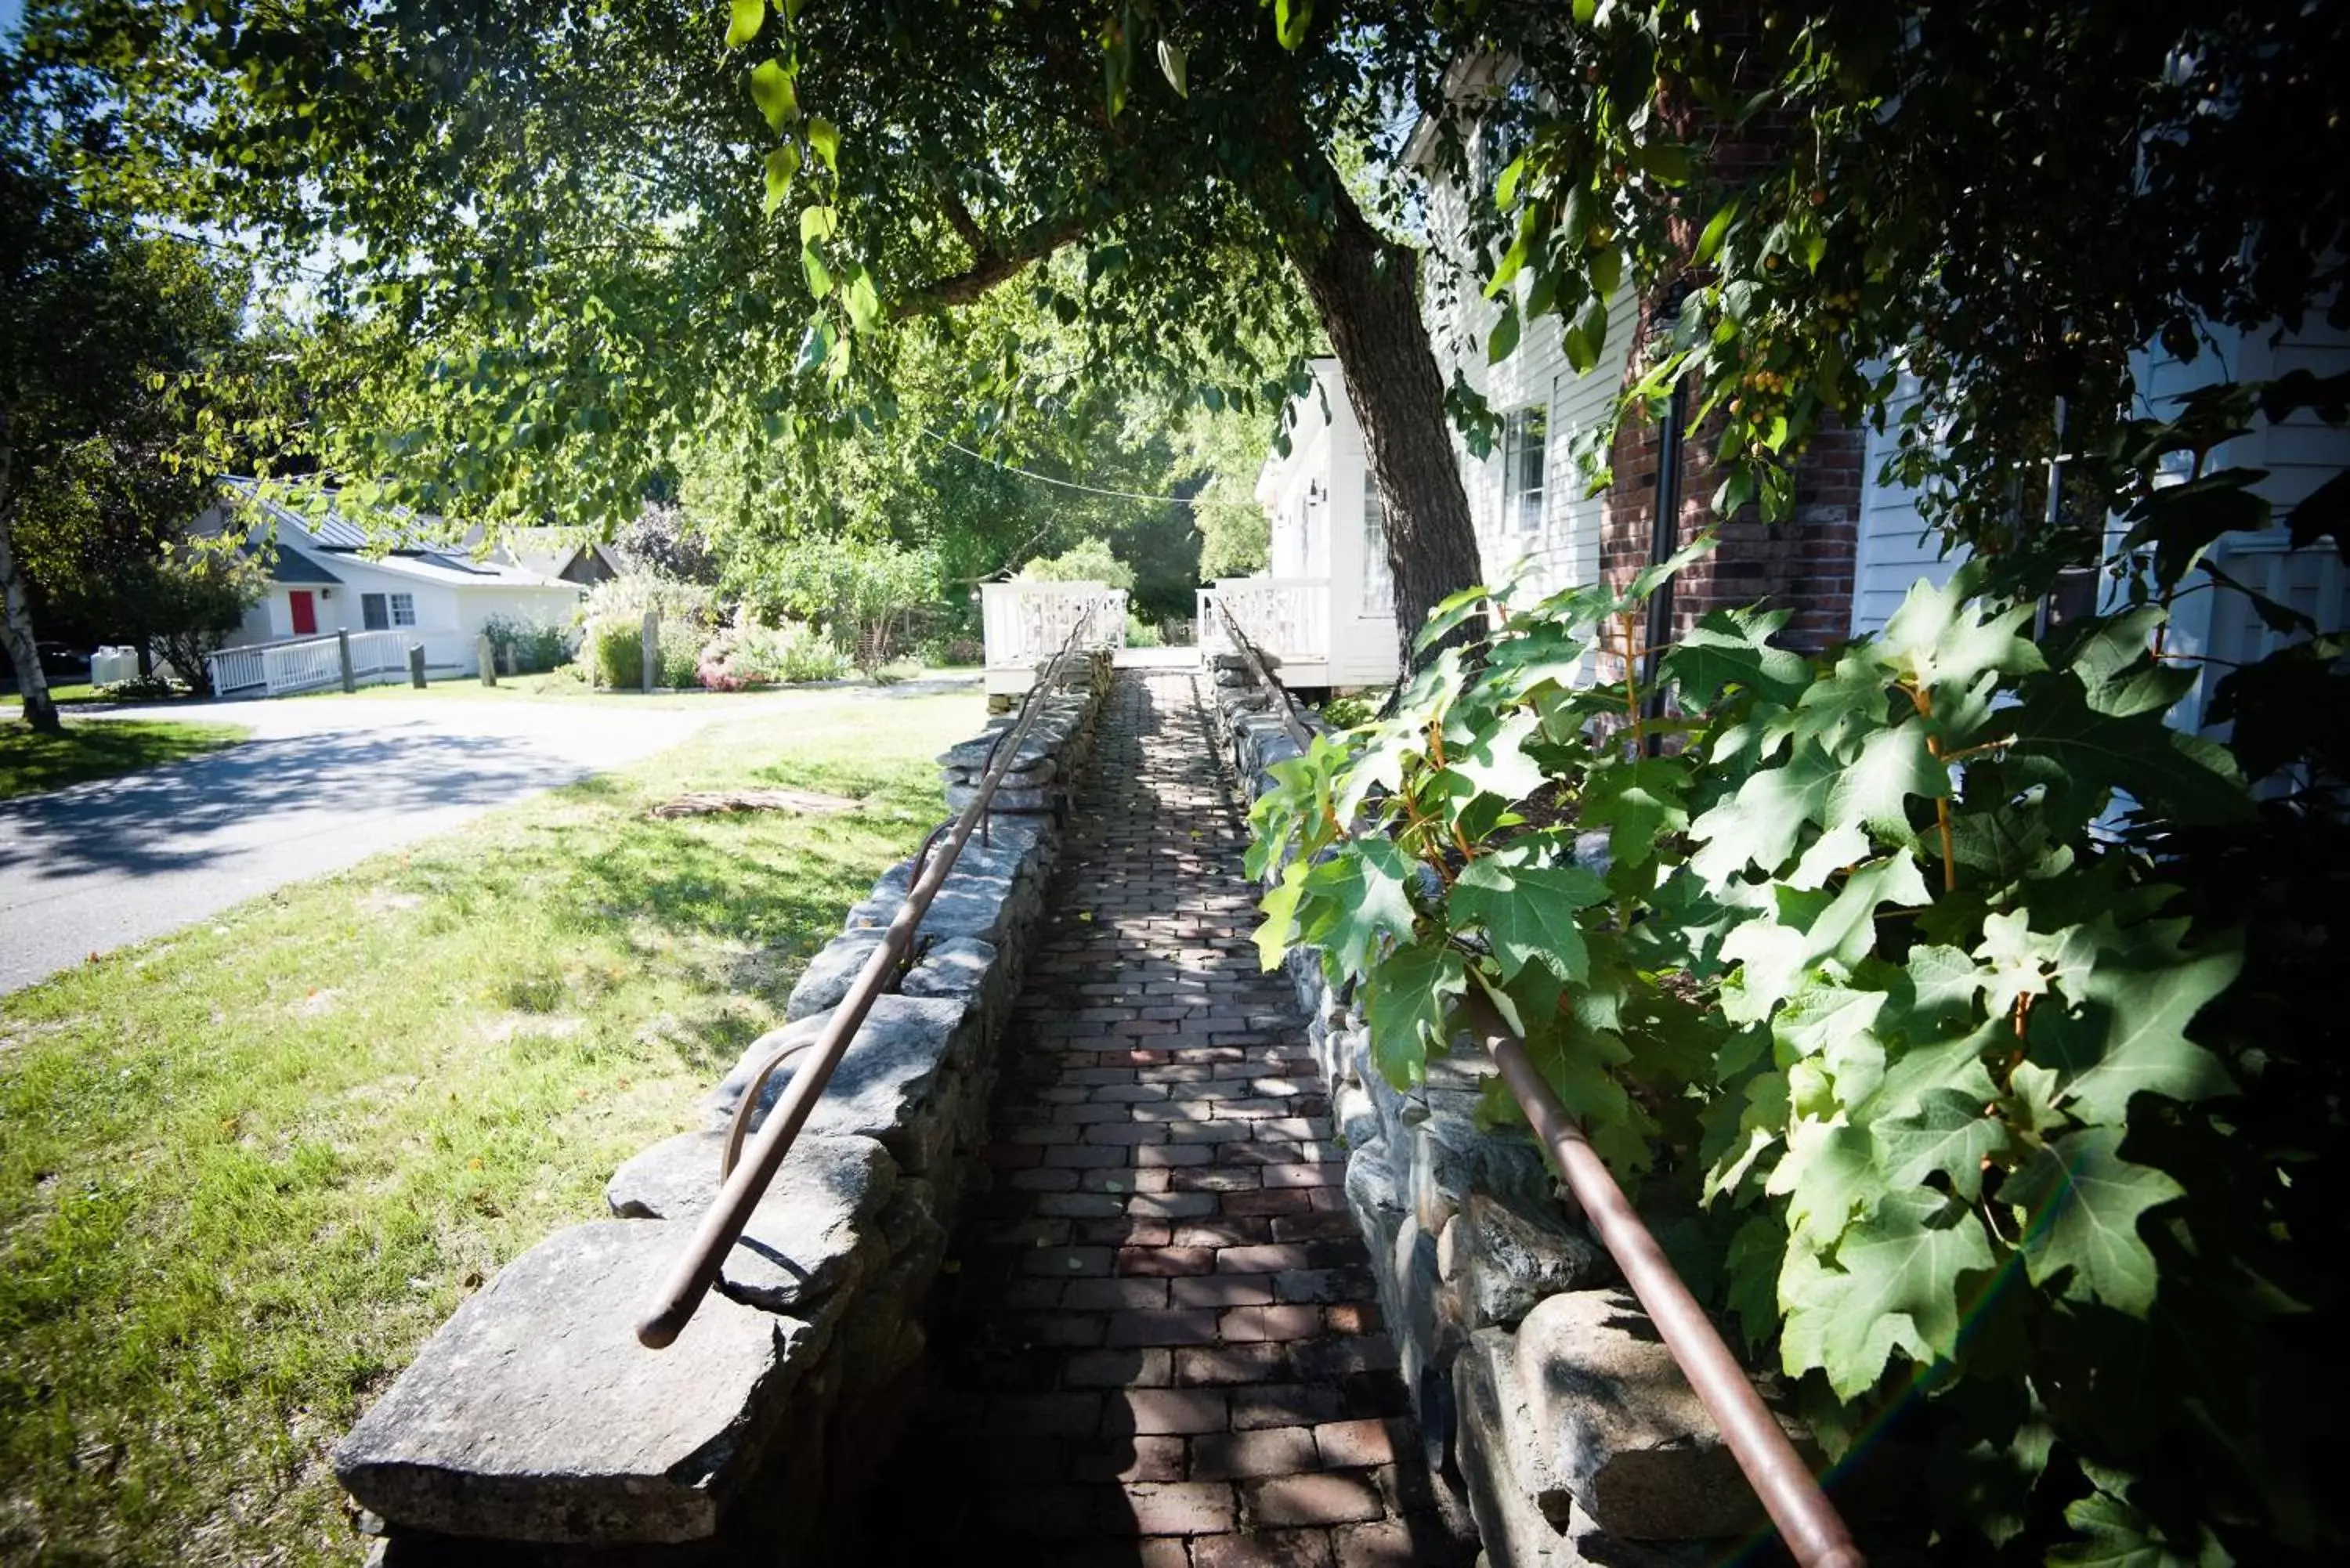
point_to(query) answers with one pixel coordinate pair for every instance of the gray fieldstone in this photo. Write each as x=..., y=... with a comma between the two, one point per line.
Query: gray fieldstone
x=1004, y=799
x=1625, y=1435
x=962, y=966
x=1512, y=1260
x=964, y=907
x=894, y=1083
x=1504, y=1471
x=1037, y=750
x=830, y=973
x=803, y=1237
x=533, y=1413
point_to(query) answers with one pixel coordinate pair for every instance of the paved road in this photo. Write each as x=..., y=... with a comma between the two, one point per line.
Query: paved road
x=324, y=783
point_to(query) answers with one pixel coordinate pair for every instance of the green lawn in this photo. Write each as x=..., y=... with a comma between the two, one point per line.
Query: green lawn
x=99, y=748
x=245, y=1171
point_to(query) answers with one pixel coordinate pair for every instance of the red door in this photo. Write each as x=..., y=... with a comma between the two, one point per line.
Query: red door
x=305, y=612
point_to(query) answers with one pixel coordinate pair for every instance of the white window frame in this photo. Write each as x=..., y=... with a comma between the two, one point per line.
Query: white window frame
x=404, y=609
x=1378, y=583
x=370, y=606
x=1526, y=435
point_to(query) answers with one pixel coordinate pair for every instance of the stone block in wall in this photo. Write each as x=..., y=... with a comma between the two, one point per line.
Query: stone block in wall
x=1510, y=1260
x=830, y=973
x=807, y=1238
x=896, y=1082
x=1624, y=1434
x=983, y=907
x=1504, y=1471
x=1004, y=799
x=961, y=968
x=533, y=1415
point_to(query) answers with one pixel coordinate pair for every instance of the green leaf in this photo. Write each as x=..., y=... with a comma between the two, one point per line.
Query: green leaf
x=772, y=90
x=1876, y=786
x=1730, y=650
x=2084, y=757
x=1945, y=979
x=815, y=345
x=1503, y=339
x=744, y=20
x=1357, y=901
x=1291, y=18
x=1637, y=803
x=782, y=167
x=1829, y=1178
x=1174, y=64
x=818, y=224
x=1893, y=1285
x=1948, y=1134
x=1527, y=912
x=1505, y=189
x=1407, y=998
x=1759, y=825
x=1587, y=335
x=2130, y=1036
x=1495, y=762
x=2119, y=1536
x=1280, y=907
x=2082, y=1202
x=863, y=300
x=824, y=138
x=819, y=276
x=1717, y=229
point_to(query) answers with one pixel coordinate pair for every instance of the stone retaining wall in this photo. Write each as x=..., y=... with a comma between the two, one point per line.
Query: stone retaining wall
x=1539, y=1382
x=533, y=1429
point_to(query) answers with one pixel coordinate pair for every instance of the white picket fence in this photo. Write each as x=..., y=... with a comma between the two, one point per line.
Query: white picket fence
x=306, y=663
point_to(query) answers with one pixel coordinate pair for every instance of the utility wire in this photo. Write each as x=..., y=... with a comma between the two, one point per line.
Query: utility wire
x=1048, y=479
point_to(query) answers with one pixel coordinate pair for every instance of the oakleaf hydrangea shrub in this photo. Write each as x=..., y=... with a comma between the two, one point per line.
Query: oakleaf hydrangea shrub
x=1874, y=976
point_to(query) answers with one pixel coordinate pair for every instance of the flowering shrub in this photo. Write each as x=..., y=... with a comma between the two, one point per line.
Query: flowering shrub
x=748, y=654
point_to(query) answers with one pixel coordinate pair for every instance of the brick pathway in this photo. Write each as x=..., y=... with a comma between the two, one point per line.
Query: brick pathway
x=1161, y=1346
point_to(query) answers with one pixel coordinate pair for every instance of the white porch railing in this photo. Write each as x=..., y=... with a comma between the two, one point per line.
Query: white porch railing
x=1287, y=617
x=1026, y=623
x=308, y=663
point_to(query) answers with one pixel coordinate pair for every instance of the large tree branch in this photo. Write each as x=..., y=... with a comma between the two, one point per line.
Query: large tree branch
x=991, y=265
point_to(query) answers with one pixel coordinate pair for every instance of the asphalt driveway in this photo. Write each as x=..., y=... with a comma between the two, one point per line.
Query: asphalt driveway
x=323, y=784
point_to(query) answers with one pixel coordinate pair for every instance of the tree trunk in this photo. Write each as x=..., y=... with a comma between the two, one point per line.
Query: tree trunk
x=1365, y=289
x=16, y=609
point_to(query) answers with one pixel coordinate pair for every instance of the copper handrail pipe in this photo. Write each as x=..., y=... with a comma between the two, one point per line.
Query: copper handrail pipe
x=1814, y=1533
x=1297, y=732
x=721, y=1226
x=1807, y=1522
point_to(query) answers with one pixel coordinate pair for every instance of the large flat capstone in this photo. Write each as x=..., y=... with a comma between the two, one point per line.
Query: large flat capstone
x=894, y=1083
x=534, y=1415
x=1622, y=1430
x=804, y=1240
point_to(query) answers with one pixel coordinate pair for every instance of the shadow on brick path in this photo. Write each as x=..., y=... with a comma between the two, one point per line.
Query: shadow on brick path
x=1159, y=1346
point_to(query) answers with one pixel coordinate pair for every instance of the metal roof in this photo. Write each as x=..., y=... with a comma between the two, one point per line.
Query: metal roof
x=402, y=546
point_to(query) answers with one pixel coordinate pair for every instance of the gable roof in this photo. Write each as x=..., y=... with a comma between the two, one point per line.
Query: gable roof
x=405, y=544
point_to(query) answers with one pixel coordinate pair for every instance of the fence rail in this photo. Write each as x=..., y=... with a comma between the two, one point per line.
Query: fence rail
x=1808, y=1523
x=1025, y=623
x=308, y=663
x=1286, y=617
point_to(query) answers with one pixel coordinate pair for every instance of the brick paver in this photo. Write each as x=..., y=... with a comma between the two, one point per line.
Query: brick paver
x=1160, y=1344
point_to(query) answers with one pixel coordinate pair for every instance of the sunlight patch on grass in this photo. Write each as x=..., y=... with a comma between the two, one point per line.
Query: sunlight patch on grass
x=250, y=1168
x=32, y=762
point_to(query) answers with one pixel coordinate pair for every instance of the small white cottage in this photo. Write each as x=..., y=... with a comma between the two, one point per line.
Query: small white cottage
x=329, y=574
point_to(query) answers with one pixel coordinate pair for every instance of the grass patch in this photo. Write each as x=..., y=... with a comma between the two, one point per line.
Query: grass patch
x=249, y=1168
x=31, y=762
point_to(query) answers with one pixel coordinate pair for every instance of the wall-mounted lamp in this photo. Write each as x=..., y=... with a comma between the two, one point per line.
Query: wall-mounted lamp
x=325, y=594
x=1314, y=493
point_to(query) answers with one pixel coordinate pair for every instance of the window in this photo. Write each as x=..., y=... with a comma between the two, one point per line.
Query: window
x=1378, y=583
x=1525, y=435
x=381, y=612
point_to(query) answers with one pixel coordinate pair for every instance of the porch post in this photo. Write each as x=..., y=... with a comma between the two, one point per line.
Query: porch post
x=343, y=652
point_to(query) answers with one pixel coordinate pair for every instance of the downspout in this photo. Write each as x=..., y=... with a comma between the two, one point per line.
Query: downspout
x=1664, y=536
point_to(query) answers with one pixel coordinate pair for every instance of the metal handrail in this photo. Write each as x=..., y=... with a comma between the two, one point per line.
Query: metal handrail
x=1807, y=1522
x=1289, y=721
x=747, y=1182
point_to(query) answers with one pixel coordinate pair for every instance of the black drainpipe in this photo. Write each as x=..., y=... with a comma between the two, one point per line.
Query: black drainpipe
x=1666, y=534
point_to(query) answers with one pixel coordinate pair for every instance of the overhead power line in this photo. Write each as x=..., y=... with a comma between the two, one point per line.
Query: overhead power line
x=1048, y=479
